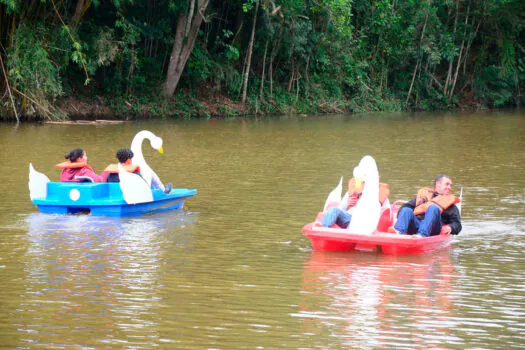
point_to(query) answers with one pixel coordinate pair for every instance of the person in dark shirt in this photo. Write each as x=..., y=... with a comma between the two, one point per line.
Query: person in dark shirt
x=427, y=213
x=124, y=156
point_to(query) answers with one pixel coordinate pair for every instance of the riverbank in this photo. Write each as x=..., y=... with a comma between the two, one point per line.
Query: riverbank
x=183, y=106
x=206, y=105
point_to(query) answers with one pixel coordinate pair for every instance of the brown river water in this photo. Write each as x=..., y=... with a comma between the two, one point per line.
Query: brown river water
x=232, y=270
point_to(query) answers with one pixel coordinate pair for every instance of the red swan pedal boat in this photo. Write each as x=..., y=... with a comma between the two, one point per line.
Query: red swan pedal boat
x=337, y=239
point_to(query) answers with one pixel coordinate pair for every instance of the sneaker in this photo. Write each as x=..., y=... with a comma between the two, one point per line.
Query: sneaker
x=168, y=188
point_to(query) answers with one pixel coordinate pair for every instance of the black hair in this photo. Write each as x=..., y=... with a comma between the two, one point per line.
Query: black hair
x=439, y=178
x=74, y=154
x=124, y=154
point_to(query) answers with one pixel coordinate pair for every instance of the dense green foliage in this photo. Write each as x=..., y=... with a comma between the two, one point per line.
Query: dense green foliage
x=302, y=56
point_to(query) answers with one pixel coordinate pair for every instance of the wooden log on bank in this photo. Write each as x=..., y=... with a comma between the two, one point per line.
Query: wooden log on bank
x=86, y=122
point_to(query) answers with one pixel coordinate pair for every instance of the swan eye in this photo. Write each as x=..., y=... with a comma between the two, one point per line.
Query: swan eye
x=156, y=143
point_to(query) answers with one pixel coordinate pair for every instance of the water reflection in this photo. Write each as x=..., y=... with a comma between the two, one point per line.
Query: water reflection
x=93, y=275
x=381, y=300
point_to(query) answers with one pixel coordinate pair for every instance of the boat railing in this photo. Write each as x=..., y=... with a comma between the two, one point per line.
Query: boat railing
x=84, y=178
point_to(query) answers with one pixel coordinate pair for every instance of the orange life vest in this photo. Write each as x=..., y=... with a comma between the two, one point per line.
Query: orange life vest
x=70, y=165
x=424, y=195
x=384, y=190
x=425, y=198
x=130, y=168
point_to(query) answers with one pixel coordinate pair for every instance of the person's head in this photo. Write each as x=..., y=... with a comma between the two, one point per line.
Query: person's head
x=124, y=155
x=442, y=184
x=76, y=154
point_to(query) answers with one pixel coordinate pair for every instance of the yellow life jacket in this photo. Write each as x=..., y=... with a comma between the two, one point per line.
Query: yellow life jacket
x=384, y=192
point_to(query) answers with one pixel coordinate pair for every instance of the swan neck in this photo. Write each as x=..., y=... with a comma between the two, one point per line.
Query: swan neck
x=371, y=187
x=136, y=144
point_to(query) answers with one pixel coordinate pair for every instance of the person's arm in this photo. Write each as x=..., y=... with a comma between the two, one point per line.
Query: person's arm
x=410, y=204
x=104, y=176
x=91, y=174
x=352, y=200
x=452, y=217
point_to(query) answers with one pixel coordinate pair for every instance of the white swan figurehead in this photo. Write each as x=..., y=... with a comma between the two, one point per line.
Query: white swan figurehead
x=37, y=184
x=365, y=215
x=136, y=147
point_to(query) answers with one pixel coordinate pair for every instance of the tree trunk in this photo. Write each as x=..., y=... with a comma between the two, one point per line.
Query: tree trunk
x=454, y=80
x=275, y=46
x=242, y=75
x=418, y=64
x=188, y=26
x=307, y=66
x=451, y=92
x=451, y=63
x=9, y=89
x=469, y=43
x=412, y=83
x=261, y=95
x=297, y=82
x=292, y=76
x=82, y=7
x=270, y=68
x=250, y=51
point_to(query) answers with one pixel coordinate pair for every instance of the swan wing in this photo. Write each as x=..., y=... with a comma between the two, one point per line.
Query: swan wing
x=37, y=184
x=134, y=189
x=335, y=195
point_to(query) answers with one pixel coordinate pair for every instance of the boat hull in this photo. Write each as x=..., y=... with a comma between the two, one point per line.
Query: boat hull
x=105, y=199
x=340, y=240
x=337, y=239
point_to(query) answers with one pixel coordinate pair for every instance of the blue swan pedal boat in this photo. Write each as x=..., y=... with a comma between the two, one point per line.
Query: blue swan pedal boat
x=132, y=196
x=105, y=199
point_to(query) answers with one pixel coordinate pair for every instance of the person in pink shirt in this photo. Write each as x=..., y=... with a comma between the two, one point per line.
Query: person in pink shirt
x=76, y=168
